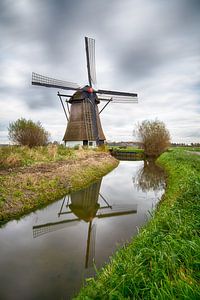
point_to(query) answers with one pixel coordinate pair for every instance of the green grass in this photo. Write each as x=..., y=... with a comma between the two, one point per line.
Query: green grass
x=163, y=261
x=126, y=149
x=187, y=148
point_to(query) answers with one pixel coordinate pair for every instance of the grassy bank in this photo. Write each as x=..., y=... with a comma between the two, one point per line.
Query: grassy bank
x=46, y=177
x=163, y=261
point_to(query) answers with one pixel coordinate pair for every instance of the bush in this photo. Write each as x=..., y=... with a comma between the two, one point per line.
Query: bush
x=154, y=136
x=27, y=133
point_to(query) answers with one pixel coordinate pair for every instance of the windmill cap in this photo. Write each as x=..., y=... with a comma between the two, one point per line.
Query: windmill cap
x=81, y=94
x=90, y=89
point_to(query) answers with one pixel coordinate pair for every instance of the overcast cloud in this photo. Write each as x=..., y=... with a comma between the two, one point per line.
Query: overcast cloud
x=151, y=47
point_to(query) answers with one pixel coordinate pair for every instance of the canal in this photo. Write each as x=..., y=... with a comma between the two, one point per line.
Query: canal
x=48, y=254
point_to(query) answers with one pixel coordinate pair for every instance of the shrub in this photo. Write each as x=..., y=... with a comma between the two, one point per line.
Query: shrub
x=27, y=133
x=154, y=136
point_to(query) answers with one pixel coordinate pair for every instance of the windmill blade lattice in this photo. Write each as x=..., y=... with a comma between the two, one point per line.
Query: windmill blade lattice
x=90, y=55
x=50, y=227
x=90, y=250
x=38, y=79
x=118, y=99
x=121, y=99
x=116, y=93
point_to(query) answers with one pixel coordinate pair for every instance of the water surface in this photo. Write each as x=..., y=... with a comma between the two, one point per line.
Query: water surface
x=48, y=254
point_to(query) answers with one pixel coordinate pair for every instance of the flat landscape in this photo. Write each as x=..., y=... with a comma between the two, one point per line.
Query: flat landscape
x=100, y=150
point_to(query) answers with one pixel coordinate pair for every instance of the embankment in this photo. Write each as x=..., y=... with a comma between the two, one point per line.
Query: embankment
x=163, y=261
x=24, y=189
x=128, y=153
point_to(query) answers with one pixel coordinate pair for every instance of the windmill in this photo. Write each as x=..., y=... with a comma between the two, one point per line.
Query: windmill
x=84, y=126
x=87, y=205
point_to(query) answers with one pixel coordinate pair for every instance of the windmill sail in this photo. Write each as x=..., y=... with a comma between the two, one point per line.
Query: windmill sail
x=90, y=249
x=90, y=56
x=117, y=210
x=41, y=80
x=124, y=99
x=117, y=97
x=42, y=229
x=117, y=93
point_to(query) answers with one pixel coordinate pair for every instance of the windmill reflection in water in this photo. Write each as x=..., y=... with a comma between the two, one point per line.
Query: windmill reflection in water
x=85, y=205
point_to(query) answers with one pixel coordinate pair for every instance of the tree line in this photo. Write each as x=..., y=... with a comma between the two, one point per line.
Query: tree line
x=153, y=135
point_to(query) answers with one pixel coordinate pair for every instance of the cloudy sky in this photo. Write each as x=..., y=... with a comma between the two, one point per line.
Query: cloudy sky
x=151, y=47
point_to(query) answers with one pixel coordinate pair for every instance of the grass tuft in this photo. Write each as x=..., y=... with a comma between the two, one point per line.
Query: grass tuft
x=16, y=156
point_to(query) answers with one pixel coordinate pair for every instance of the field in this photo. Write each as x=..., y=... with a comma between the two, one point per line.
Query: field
x=163, y=261
x=193, y=149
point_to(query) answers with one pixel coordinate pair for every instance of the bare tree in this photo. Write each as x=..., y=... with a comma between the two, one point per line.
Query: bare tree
x=154, y=136
x=27, y=133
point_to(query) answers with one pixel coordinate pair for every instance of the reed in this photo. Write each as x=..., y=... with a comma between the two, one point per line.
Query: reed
x=20, y=156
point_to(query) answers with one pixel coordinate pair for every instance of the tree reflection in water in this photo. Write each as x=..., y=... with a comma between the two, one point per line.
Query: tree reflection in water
x=150, y=177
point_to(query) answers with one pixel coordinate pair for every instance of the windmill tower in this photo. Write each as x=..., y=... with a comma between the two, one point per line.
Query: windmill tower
x=82, y=114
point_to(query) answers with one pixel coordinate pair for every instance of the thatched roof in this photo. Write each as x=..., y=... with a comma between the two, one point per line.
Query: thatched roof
x=80, y=125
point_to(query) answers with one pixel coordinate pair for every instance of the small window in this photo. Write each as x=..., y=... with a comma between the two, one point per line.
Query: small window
x=90, y=143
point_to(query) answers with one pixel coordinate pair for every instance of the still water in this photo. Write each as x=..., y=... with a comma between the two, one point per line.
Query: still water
x=49, y=253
